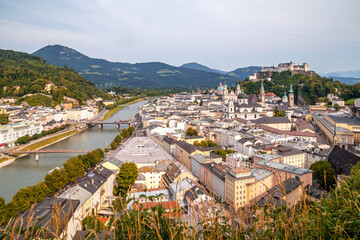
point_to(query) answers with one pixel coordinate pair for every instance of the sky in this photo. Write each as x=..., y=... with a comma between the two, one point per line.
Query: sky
x=222, y=34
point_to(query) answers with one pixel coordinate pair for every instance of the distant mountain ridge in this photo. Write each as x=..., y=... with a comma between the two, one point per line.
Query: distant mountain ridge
x=197, y=66
x=107, y=74
x=346, y=80
x=344, y=74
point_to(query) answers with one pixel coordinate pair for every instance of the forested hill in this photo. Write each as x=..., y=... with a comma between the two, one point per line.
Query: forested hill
x=31, y=73
x=312, y=89
x=107, y=74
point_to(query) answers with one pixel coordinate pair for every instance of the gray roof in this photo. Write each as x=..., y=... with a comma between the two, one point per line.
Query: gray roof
x=142, y=150
x=267, y=120
x=76, y=193
x=200, y=158
x=275, y=195
x=283, y=167
x=43, y=213
x=92, y=182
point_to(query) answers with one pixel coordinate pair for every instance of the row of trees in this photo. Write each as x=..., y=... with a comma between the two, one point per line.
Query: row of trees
x=27, y=138
x=73, y=168
x=207, y=143
x=121, y=102
x=125, y=133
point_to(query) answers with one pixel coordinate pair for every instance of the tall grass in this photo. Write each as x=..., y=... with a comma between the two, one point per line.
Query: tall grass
x=334, y=217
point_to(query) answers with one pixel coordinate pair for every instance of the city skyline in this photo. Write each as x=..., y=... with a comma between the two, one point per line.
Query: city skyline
x=222, y=35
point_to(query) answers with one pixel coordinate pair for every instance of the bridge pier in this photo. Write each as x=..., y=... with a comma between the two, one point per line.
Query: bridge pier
x=117, y=126
x=36, y=157
x=101, y=125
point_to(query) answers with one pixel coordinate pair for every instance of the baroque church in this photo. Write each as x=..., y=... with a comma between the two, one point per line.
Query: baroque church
x=237, y=105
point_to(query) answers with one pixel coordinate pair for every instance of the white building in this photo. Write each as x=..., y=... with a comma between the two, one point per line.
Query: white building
x=11, y=132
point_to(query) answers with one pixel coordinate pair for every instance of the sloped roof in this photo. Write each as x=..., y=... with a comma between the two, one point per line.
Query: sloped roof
x=342, y=161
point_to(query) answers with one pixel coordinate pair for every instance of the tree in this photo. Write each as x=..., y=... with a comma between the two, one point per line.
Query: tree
x=201, y=102
x=4, y=119
x=118, y=139
x=223, y=153
x=131, y=130
x=73, y=168
x=126, y=178
x=324, y=174
x=278, y=113
x=191, y=132
x=113, y=144
x=2, y=209
x=337, y=107
x=55, y=180
x=208, y=143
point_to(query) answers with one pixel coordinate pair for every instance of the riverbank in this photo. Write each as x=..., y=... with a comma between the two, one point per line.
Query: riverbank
x=41, y=144
x=115, y=109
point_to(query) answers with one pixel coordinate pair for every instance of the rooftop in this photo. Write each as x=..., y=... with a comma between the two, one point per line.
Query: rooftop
x=283, y=167
x=142, y=150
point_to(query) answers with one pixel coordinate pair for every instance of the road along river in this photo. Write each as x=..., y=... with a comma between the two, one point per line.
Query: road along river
x=26, y=171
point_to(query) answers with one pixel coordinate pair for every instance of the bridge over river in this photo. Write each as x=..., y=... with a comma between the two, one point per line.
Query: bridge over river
x=102, y=123
x=7, y=152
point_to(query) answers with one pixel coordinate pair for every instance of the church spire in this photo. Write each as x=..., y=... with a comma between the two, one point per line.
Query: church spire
x=291, y=89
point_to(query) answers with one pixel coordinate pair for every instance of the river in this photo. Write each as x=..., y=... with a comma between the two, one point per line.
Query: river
x=26, y=171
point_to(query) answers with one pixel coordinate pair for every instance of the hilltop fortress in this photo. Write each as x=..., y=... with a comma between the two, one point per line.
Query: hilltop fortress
x=266, y=72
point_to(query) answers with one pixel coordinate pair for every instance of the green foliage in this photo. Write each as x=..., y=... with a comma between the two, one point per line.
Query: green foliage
x=207, y=143
x=191, y=132
x=223, y=153
x=32, y=73
x=114, y=144
x=37, y=100
x=278, y=113
x=26, y=197
x=201, y=102
x=118, y=139
x=92, y=223
x=56, y=179
x=126, y=178
x=73, y=169
x=4, y=119
x=337, y=107
x=313, y=87
x=324, y=174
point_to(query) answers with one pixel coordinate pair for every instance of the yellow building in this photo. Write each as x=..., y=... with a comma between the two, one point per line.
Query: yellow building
x=290, y=156
x=184, y=151
x=151, y=176
x=245, y=185
x=193, y=139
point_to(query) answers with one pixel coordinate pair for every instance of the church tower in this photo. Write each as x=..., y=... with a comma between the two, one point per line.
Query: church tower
x=238, y=89
x=226, y=90
x=291, y=96
x=262, y=92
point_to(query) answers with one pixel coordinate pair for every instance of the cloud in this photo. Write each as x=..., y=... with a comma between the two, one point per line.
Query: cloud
x=223, y=34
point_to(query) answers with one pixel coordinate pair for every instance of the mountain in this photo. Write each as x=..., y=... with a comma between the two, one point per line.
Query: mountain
x=22, y=73
x=346, y=80
x=197, y=66
x=242, y=73
x=349, y=74
x=107, y=74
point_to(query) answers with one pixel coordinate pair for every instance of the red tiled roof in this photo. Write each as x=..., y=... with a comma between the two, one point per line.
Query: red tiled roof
x=149, y=205
x=270, y=94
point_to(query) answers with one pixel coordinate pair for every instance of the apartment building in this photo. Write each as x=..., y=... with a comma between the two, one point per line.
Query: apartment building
x=245, y=185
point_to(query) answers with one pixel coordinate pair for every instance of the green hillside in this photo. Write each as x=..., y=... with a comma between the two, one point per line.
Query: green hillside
x=311, y=88
x=22, y=73
x=107, y=74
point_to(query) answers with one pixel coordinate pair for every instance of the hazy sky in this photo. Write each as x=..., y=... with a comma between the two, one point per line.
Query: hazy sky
x=223, y=34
